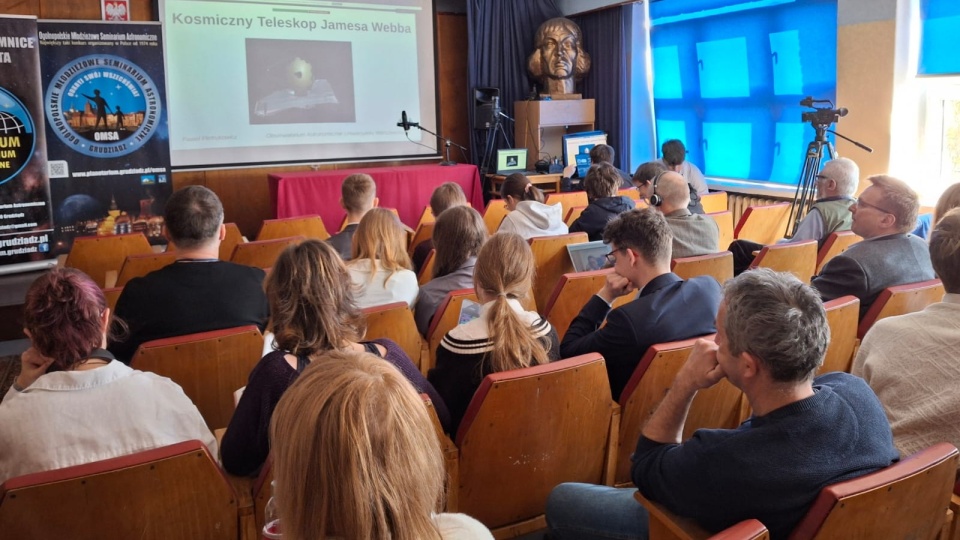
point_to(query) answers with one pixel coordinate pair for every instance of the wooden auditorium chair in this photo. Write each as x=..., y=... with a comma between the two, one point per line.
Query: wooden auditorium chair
x=570, y=295
x=209, y=366
x=426, y=216
x=526, y=431
x=426, y=271
x=715, y=201
x=568, y=200
x=955, y=508
x=900, y=300
x=230, y=241
x=140, y=265
x=305, y=226
x=112, y=294
x=908, y=499
x=573, y=214
x=423, y=233
x=170, y=493
x=633, y=194
x=798, y=258
x=551, y=260
x=395, y=321
x=394, y=211
x=717, y=265
x=715, y=407
x=97, y=255
x=724, y=221
x=494, y=213
x=665, y=525
x=835, y=244
x=842, y=316
x=764, y=224
x=262, y=253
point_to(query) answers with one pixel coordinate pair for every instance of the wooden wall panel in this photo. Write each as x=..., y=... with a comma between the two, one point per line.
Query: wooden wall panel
x=64, y=9
x=20, y=7
x=453, y=86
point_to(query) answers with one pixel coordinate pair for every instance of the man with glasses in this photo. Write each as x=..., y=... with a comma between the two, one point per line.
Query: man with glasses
x=884, y=215
x=666, y=309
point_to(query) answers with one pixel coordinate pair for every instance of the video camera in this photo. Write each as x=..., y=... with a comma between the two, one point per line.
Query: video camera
x=821, y=116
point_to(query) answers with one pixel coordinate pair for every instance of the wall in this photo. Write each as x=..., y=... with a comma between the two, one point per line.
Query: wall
x=244, y=191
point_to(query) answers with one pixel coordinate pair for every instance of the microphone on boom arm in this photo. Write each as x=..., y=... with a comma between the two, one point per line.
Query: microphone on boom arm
x=405, y=123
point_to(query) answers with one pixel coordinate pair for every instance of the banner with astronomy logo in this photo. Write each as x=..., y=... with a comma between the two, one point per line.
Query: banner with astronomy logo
x=25, y=208
x=107, y=138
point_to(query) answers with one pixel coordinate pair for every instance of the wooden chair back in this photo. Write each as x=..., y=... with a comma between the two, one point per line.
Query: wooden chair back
x=426, y=271
x=717, y=265
x=112, y=294
x=262, y=253
x=799, y=258
x=172, y=492
x=842, y=316
x=230, y=241
x=568, y=200
x=209, y=366
x=835, y=244
x=900, y=300
x=426, y=216
x=724, y=221
x=140, y=265
x=528, y=430
x=305, y=226
x=764, y=224
x=665, y=525
x=395, y=321
x=261, y=494
x=908, y=499
x=424, y=232
x=97, y=255
x=715, y=201
x=394, y=211
x=715, y=407
x=574, y=214
x=494, y=213
x=551, y=260
x=570, y=295
x=630, y=193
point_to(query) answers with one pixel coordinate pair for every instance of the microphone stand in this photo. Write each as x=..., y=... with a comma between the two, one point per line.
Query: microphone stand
x=447, y=143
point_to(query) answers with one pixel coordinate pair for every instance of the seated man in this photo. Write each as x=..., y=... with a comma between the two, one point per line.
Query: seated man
x=601, y=153
x=667, y=309
x=198, y=292
x=836, y=184
x=693, y=234
x=910, y=361
x=805, y=433
x=601, y=184
x=648, y=171
x=884, y=215
x=358, y=194
x=675, y=158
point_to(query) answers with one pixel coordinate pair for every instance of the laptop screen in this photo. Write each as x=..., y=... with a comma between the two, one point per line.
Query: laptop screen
x=588, y=255
x=511, y=160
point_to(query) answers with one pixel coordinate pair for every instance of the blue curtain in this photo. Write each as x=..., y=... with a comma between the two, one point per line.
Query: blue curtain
x=607, y=42
x=500, y=38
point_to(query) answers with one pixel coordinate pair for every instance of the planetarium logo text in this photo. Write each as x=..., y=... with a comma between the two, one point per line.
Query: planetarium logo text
x=17, y=136
x=103, y=105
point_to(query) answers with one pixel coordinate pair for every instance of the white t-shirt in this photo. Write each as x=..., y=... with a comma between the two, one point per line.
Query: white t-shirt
x=385, y=288
x=461, y=527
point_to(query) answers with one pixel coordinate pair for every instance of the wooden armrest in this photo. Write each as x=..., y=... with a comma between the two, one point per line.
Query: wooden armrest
x=613, y=443
x=110, y=279
x=665, y=525
x=451, y=462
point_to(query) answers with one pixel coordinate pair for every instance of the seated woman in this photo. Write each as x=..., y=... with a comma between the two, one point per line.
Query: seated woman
x=356, y=456
x=457, y=237
x=380, y=267
x=601, y=184
x=446, y=195
x=311, y=312
x=73, y=403
x=528, y=216
x=504, y=337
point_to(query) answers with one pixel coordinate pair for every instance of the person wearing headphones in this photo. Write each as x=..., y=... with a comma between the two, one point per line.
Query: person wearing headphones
x=693, y=234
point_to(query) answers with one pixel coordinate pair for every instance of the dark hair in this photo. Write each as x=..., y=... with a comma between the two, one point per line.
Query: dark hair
x=674, y=153
x=602, y=153
x=945, y=250
x=644, y=230
x=519, y=187
x=193, y=216
x=602, y=180
x=648, y=171
x=458, y=235
x=778, y=319
x=63, y=312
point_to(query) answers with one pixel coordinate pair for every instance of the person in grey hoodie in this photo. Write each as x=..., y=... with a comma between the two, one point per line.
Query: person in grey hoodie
x=529, y=216
x=601, y=184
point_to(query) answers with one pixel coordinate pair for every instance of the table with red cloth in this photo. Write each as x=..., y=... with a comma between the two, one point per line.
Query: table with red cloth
x=406, y=188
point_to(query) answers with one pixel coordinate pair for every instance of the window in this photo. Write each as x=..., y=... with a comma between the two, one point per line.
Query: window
x=941, y=137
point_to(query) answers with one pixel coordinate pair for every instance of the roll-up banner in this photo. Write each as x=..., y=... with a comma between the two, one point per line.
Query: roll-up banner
x=25, y=208
x=107, y=138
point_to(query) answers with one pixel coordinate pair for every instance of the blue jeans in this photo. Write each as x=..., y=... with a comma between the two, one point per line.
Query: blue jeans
x=589, y=512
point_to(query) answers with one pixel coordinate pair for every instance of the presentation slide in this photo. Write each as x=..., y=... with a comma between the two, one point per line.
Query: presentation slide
x=298, y=80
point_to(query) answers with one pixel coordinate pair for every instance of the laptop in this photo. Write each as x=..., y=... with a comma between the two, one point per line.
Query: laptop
x=511, y=161
x=588, y=255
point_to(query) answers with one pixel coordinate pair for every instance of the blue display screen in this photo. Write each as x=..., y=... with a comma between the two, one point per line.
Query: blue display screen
x=939, y=38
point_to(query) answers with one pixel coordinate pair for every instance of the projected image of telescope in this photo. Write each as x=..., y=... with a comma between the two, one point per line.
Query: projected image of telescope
x=303, y=91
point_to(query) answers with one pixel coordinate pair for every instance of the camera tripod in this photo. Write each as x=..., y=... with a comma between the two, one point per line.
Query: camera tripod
x=494, y=132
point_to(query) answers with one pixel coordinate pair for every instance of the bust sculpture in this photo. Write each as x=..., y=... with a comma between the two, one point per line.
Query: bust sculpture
x=559, y=59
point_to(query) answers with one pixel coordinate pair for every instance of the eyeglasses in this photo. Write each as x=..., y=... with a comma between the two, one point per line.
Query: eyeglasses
x=611, y=259
x=861, y=202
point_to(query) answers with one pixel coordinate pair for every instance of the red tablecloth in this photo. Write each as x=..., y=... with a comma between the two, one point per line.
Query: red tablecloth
x=406, y=188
